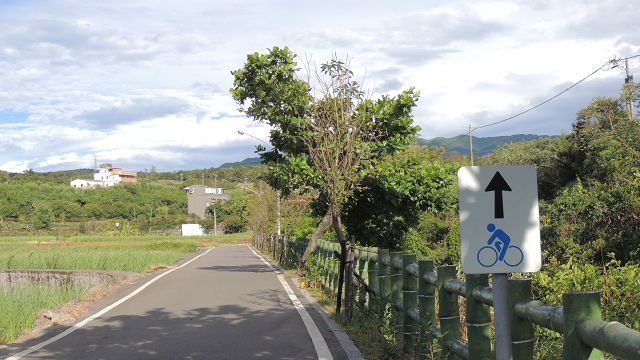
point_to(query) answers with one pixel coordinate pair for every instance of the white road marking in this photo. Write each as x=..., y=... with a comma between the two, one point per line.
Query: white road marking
x=318, y=341
x=99, y=313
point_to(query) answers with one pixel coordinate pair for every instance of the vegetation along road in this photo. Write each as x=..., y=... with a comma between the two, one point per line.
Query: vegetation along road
x=223, y=303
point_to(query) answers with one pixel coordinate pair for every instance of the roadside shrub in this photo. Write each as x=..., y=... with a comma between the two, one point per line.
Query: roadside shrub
x=436, y=237
x=426, y=239
x=234, y=224
x=589, y=220
x=620, y=286
x=620, y=294
x=42, y=217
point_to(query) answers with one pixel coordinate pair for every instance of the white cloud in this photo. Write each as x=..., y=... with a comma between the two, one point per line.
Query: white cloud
x=145, y=83
x=15, y=166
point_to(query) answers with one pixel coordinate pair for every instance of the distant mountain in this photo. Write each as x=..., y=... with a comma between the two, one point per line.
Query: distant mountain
x=247, y=161
x=481, y=145
x=457, y=144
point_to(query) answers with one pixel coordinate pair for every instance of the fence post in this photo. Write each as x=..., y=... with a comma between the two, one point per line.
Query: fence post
x=478, y=317
x=427, y=304
x=336, y=268
x=357, y=254
x=449, y=313
x=373, y=276
x=409, y=301
x=577, y=307
x=363, y=271
x=522, y=331
x=274, y=244
x=330, y=265
x=326, y=265
x=384, y=281
x=396, y=292
x=320, y=262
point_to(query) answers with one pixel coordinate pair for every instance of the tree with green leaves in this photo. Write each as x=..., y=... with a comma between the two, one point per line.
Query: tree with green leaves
x=328, y=141
x=339, y=142
x=42, y=216
x=395, y=192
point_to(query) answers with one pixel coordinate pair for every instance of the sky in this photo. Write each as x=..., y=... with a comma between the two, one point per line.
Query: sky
x=143, y=84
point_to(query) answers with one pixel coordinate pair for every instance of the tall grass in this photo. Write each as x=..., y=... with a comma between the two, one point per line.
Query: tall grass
x=136, y=257
x=119, y=253
x=20, y=305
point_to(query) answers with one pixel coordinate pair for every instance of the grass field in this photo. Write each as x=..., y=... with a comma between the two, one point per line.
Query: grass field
x=19, y=306
x=120, y=253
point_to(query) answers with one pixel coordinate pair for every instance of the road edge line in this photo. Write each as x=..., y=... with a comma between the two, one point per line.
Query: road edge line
x=320, y=345
x=82, y=323
x=352, y=351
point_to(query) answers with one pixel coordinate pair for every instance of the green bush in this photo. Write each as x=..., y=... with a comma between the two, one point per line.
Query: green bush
x=42, y=217
x=395, y=194
x=435, y=237
x=620, y=294
x=234, y=224
x=620, y=286
x=426, y=238
x=586, y=221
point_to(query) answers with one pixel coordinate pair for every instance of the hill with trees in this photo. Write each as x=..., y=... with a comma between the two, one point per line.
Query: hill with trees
x=481, y=145
x=45, y=201
x=247, y=161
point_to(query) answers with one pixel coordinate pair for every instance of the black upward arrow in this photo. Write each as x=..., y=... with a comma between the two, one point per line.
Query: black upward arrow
x=498, y=184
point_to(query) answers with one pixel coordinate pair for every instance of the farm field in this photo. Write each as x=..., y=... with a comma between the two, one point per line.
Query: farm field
x=20, y=305
x=115, y=253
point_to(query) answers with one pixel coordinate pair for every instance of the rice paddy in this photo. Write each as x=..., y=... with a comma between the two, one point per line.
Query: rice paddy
x=19, y=306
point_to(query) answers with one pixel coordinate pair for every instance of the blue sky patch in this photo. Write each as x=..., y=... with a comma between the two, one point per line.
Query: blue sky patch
x=9, y=116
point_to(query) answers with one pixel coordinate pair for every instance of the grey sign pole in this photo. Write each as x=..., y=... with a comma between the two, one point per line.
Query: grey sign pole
x=502, y=317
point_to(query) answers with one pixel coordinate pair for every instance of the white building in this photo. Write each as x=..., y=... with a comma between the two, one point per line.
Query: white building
x=106, y=176
x=80, y=183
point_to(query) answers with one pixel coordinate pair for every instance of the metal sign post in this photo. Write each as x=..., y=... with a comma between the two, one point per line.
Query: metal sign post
x=499, y=233
x=502, y=316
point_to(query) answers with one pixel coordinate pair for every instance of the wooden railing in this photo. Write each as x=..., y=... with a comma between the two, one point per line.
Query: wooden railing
x=410, y=289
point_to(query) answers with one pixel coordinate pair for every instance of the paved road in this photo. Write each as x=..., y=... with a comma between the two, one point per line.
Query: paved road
x=226, y=304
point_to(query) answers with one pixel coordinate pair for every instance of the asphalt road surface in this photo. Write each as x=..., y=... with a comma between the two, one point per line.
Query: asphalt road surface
x=226, y=303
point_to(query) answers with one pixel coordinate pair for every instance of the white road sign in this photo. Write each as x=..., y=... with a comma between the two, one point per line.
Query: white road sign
x=499, y=219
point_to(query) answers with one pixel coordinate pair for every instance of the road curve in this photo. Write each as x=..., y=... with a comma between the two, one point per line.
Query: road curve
x=224, y=304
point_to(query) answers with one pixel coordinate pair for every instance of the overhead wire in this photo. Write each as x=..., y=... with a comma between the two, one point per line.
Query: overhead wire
x=613, y=61
x=539, y=104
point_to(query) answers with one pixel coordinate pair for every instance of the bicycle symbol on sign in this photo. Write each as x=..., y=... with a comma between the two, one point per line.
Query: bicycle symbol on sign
x=498, y=249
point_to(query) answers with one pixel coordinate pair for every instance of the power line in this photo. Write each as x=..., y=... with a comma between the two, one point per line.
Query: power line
x=540, y=104
x=613, y=62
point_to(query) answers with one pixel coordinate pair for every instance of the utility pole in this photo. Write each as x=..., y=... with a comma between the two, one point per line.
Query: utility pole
x=470, y=145
x=202, y=179
x=181, y=178
x=215, y=222
x=215, y=180
x=628, y=80
x=278, y=214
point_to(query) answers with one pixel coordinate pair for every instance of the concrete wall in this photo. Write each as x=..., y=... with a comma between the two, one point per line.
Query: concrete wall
x=85, y=278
